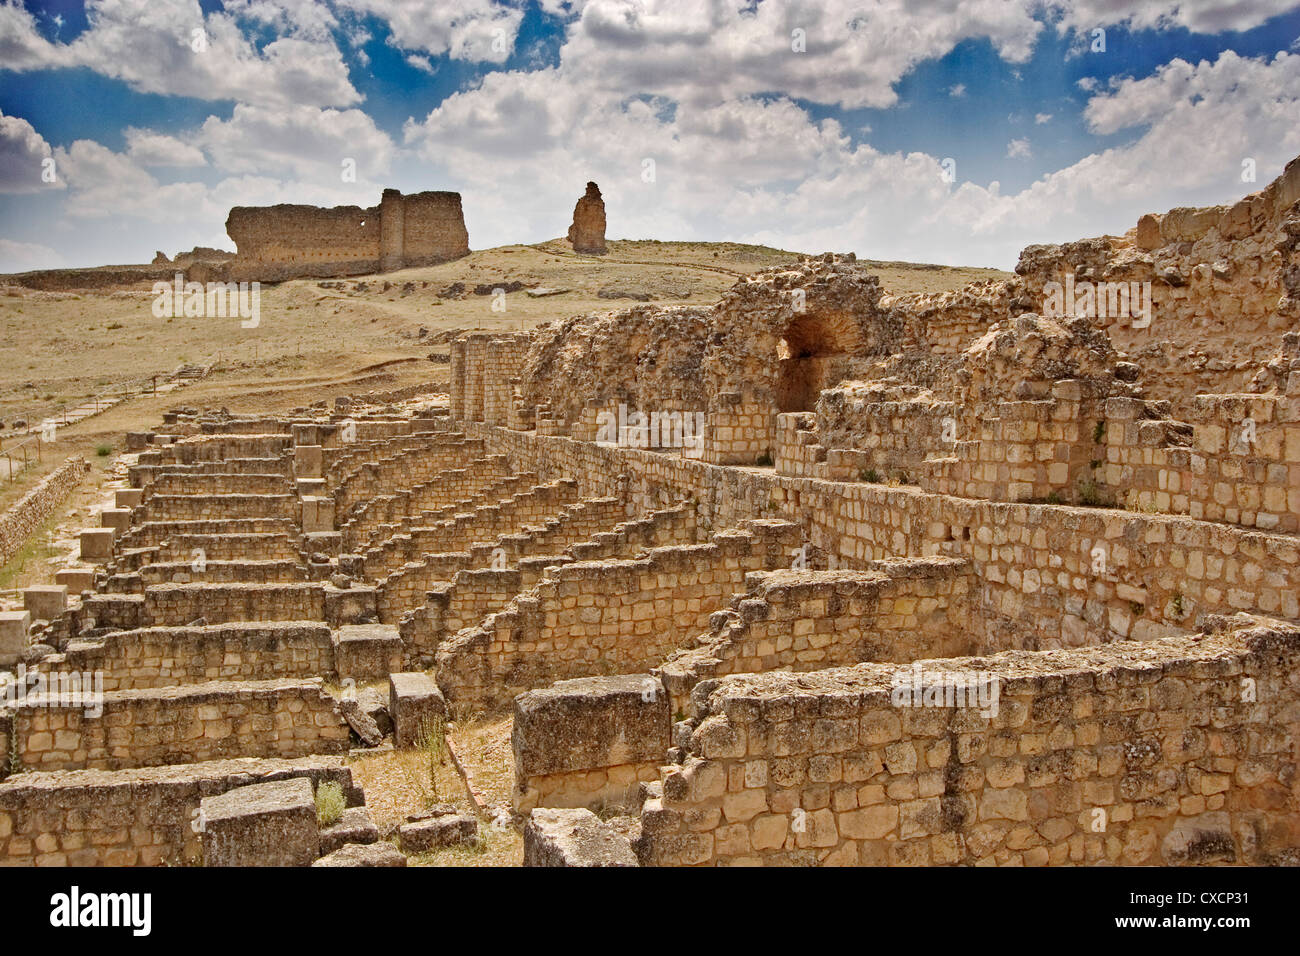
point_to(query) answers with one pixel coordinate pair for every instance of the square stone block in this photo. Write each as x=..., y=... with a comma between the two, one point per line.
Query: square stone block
x=119, y=519
x=14, y=626
x=262, y=824
x=413, y=701
x=307, y=461
x=76, y=579
x=97, y=544
x=46, y=601
x=310, y=487
x=317, y=514
x=574, y=838
x=326, y=542
x=128, y=497
x=367, y=651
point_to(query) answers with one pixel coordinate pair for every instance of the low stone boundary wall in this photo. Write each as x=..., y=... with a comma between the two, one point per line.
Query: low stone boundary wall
x=1051, y=575
x=218, y=507
x=185, y=724
x=908, y=610
x=619, y=617
x=1172, y=751
x=142, y=817
x=167, y=656
x=21, y=521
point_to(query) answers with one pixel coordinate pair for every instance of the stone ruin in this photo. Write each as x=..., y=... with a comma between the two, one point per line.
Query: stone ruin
x=587, y=232
x=287, y=241
x=939, y=579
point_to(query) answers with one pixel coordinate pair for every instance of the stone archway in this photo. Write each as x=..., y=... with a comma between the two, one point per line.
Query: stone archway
x=808, y=349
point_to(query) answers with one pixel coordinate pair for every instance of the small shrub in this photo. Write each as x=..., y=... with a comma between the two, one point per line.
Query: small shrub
x=1053, y=498
x=330, y=803
x=1098, y=432
x=1177, y=605
x=1091, y=496
x=870, y=475
x=103, y=451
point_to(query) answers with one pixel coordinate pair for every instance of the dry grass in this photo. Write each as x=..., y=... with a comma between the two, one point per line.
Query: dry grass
x=399, y=784
x=483, y=747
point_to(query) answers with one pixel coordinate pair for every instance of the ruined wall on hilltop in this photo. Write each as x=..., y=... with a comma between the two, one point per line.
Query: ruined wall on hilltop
x=291, y=241
x=1223, y=283
x=777, y=337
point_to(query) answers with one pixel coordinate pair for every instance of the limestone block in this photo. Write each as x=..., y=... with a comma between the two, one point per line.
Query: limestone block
x=97, y=544
x=307, y=461
x=413, y=702
x=13, y=636
x=76, y=579
x=317, y=514
x=119, y=519
x=46, y=601
x=590, y=722
x=357, y=854
x=128, y=497
x=353, y=827
x=262, y=824
x=438, y=827
x=574, y=838
x=1148, y=232
x=367, y=651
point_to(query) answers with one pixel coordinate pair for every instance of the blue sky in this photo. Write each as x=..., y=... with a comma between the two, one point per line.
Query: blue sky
x=811, y=126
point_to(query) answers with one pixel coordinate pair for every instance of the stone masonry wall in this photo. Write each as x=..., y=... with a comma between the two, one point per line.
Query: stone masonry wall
x=21, y=521
x=1176, y=751
x=185, y=724
x=142, y=817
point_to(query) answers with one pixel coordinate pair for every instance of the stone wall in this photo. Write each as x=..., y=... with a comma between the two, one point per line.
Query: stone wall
x=183, y=724
x=907, y=610
x=167, y=656
x=1050, y=575
x=21, y=521
x=144, y=817
x=612, y=617
x=291, y=241
x=1176, y=751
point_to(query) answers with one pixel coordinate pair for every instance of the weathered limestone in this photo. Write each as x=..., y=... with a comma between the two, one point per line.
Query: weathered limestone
x=437, y=828
x=14, y=626
x=263, y=824
x=367, y=651
x=287, y=241
x=576, y=838
x=45, y=601
x=97, y=544
x=587, y=232
x=414, y=703
x=357, y=854
x=143, y=817
x=588, y=742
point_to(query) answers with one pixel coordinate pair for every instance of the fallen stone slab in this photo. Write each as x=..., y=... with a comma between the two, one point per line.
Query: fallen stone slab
x=262, y=824
x=357, y=854
x=355, y=826
x=574, y=837
x=437, y=828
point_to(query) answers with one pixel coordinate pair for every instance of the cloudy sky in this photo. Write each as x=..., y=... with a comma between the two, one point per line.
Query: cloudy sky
x=952, y=131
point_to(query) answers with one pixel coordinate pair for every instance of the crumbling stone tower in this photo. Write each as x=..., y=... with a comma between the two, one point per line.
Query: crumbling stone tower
x=587, y=233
